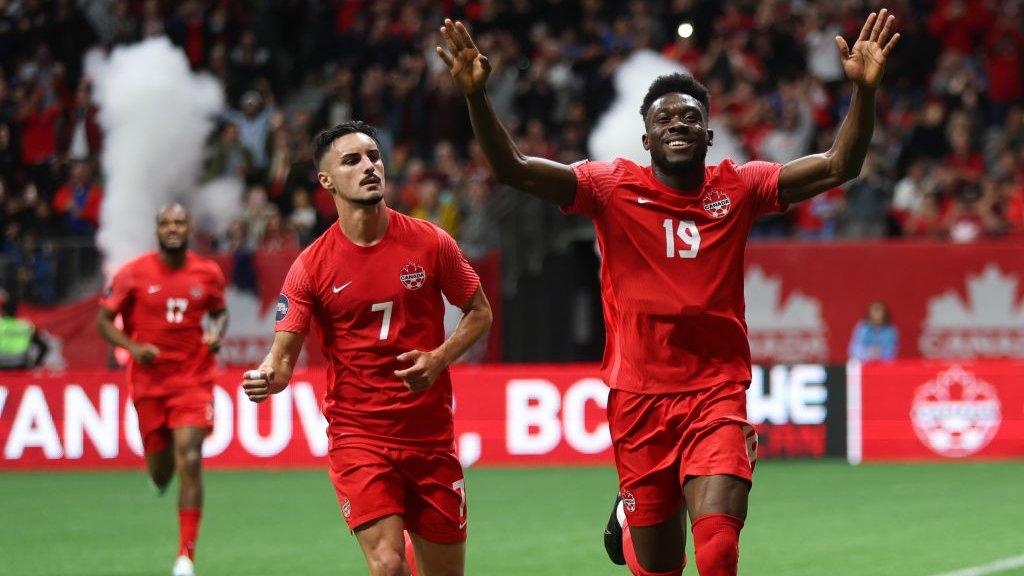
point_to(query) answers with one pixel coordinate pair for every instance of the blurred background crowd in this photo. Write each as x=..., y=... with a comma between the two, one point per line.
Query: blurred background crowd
x=947, y=160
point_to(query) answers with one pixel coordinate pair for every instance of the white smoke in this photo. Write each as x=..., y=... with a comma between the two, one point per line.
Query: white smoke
x=618, y=131
x=156, y=115
x=216, y=204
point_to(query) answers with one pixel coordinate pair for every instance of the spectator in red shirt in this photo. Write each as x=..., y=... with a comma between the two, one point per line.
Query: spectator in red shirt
x=78, y=201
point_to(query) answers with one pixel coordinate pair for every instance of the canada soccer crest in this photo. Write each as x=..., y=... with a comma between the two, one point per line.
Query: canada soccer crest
x=956, y=414
x=716, y=203
x=346, y=508
x=628, y=501
x=413, y=276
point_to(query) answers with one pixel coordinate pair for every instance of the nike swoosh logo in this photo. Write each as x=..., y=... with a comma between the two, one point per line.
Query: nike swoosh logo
x=463, y=525
x=642, y=200
x=342, y=287
x=153, y=289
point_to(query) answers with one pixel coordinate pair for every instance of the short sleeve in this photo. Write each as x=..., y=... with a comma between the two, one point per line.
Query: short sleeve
x=594, y=184
x=295, y=303
x=762, y=180
x=457, y=278
x=118, y=292
x=217, y=288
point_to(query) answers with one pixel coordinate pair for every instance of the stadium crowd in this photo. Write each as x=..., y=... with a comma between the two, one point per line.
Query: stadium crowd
x=947, y=160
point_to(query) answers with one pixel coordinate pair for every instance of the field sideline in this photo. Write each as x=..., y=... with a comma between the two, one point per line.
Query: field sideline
x=806, y=518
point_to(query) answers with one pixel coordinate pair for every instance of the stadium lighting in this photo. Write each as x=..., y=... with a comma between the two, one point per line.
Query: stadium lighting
x=685, y=30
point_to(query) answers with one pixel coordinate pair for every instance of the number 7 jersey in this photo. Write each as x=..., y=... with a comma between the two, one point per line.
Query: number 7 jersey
x=371, y=304
x=672, y=271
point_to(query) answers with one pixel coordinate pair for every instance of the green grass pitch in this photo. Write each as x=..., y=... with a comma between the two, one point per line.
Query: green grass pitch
x=806, y=518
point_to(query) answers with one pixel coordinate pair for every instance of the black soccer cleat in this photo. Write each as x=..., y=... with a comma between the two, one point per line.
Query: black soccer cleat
x=613, y=536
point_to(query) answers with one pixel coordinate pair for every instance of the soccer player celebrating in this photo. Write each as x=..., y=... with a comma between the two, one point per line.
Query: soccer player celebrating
x=671, y=237
x=162, y=298
x=373, y=283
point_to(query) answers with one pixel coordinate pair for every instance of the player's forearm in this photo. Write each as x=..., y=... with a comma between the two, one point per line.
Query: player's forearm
x=851, y=145
x=495, y=141
x=282, y=358
x=219, y=323
x=473, y=325
x=112, y=334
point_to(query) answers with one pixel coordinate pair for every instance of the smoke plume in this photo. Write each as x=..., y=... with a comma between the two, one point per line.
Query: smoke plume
x=156, y=114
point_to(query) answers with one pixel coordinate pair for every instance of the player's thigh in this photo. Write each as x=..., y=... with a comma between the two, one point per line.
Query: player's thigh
x=719, y=494
x=719, y=454
x=433, y=559
x=154, y=427
x=383, y=544
x=436, y=504
x=646, y=458
x=366, y=484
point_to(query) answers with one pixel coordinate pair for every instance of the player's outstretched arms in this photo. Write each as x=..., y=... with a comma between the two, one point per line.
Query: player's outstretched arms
x=864, y=65
x=142, y=352
x=545, y=179
x=276, y=370
x=475, y=322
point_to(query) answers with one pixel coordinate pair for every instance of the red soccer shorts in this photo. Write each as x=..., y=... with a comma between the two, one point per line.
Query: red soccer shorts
x=661, y=439
x=159, y=415
x=426, y=488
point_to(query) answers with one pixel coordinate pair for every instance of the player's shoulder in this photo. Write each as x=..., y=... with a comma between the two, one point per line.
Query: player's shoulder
x=204, y=265
x=319, y=250
x=140, y=263
x=412, y=229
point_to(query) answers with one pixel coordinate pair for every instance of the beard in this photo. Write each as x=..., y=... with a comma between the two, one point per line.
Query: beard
x=174, y=250
x=371, y=200
x=680, y=167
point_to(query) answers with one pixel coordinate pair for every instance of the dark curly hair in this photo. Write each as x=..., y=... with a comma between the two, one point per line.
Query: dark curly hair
x=684, y=83
x=322, y=141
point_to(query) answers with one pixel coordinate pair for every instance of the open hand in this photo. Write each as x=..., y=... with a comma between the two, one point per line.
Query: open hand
x=468, y=66
x=864, y=64
x=424, y=370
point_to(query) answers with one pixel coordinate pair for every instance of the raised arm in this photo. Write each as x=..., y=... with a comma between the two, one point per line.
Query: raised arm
x=545, y=179
x=276, y=370
x=864, y=65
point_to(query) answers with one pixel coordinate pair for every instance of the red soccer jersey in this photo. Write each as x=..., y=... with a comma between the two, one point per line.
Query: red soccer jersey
x=672, y=271
x=370, y=305
x=165, y=307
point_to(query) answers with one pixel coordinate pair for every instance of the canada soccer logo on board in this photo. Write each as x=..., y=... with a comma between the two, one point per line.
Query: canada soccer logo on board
x=956, y=414
x=413, y=276
x=716, y=203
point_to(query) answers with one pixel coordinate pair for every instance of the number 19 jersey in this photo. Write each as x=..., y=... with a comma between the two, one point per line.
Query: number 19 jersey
x=371, y=304
x=672, y=271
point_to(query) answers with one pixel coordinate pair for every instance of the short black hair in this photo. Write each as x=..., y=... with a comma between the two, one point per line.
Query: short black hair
x=322, y=142
x=681, y=82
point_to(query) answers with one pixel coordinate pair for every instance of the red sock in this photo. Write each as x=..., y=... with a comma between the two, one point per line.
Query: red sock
x=410, y=555
x=188, y=531
x=634, y=564
x=716, y=539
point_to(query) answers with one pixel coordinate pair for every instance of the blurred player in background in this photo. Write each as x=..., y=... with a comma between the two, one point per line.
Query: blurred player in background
x=672, y=237
x=373, y=283
x=163, y=297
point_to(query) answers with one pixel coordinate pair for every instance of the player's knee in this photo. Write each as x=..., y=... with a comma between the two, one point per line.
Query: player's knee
x=386, y=562
x=189, y=461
